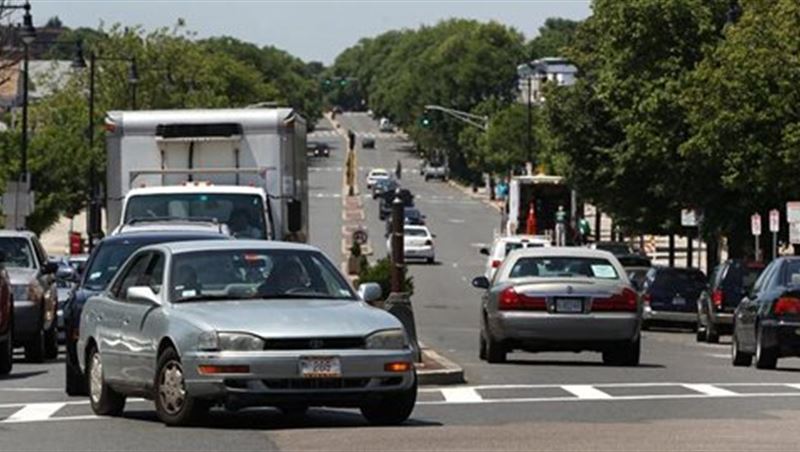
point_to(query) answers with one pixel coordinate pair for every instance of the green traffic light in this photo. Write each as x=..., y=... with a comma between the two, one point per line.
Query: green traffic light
x=343, y=82
x=425, y=122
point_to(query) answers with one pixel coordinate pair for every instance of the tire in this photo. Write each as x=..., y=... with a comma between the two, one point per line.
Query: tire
x=427, y=178
x=482, y=354
x=392, y=409
x=711, y=334
x=700, y=336
x=495, y=351
x=430, y=260
x=7, y=353
x=35, y=349
x=627, y=354
x=105, y=400
x=51, y=342
x=645, y=325
x=739, y=358
x=74, y=382
x=173, y=405
x=766, y=358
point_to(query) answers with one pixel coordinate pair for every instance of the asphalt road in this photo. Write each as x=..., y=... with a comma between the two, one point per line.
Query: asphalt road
x=684, y=396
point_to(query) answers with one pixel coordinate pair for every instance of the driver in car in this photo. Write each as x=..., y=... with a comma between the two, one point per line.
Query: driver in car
x=286, y=277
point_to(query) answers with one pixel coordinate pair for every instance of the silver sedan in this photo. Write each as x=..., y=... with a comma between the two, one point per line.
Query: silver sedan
x=238, y=324
x=560, y=299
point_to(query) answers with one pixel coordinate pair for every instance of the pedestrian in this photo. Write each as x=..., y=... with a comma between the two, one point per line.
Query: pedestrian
x=398, y=171
x=561, y=225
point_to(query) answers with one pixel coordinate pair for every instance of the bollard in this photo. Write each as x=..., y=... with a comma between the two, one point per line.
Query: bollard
x=399, y=305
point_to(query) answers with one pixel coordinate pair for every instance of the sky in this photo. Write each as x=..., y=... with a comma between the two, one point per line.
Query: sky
x=312, y=30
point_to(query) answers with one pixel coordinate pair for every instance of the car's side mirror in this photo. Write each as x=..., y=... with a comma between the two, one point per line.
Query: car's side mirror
x=480, y=282
x=50, y=268
x=142, y=294
x=67, y=274
x=485, y=251
x=370, y=292
x=295, y=213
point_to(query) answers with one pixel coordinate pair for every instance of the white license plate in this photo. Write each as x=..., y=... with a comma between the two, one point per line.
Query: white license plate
x=679, y=301
x=320, y=367
x=569, y=305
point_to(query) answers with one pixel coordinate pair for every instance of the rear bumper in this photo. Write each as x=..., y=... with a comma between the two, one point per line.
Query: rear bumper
x=424, y=252
x=655, y=315
x=27, y=319
x=782, y=334
x=542, y=327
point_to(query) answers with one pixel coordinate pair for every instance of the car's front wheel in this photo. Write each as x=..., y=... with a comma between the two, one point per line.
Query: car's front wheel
x=392, y=409
x=7, y=353
x=105, y=400
x=174, y=405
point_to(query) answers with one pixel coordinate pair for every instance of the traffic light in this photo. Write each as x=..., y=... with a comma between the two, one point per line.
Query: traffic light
x=425, y=121
x=343, y=81
x=327, y=83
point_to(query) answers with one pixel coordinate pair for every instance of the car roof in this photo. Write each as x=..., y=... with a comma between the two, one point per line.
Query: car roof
x=562, y=251
x=146, y=235
x=12, y=233
x=217, y=245
x=522, y=238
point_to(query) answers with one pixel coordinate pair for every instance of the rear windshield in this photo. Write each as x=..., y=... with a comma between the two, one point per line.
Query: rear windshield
x=667, y=279
x=558, y=267
x=415, y=232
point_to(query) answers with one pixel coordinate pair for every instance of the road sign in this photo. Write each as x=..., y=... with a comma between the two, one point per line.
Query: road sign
x=793, y=212
x=691, y=218
x=794, y=233
x=774, y=220
x=360, y=236
x=755, y=224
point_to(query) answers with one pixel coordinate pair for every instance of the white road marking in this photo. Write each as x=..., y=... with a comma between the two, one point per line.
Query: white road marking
x=710, y=390
x=461, y=395
x=719, y=355
x=586, y=392
x=35, y=412
x=31, y=389
x=456, y=220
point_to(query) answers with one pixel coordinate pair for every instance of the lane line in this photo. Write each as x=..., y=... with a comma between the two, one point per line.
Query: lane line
x=55, y=419
x=586, y=392
x=616, y=385
x=618, y=399
x=31, y=389
x=461, y=395
x=35, y=412
x=710, y=390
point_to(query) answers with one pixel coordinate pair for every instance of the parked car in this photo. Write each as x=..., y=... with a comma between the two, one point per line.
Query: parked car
x=615, y=248
x=435, y=170
x=105, y=260
x=385, y=204
x=35, y=296
x=670, y=296
x=502, y=246
x=382, y=186
x=375, y=175
x=417, y=243
x=730, y=282
x=368, y=142
x=78, y=262
x=560, y=299
x=6, y=321
x=302, y=337
x=766, y=322
x=636, y=266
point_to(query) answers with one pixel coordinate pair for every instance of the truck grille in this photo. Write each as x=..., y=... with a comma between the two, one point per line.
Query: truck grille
x=328, y=343
x=316, y=383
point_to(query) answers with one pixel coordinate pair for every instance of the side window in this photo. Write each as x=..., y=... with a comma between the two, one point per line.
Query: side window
x=41, y=256
x=765, y=275
x=776, y=278
x=154, y=276
x=132, y=274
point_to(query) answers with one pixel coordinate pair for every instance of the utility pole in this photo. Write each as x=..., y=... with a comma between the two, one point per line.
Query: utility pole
x=529, y=142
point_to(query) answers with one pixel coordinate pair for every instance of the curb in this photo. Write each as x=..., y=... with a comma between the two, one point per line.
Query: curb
x=449, y=374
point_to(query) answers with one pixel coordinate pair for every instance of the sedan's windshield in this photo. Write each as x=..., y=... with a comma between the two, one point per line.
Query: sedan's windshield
x=255, y=274
x=556, y=267
x=16, y=252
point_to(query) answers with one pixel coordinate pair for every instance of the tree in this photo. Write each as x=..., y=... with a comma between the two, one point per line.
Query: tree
x=554, y=37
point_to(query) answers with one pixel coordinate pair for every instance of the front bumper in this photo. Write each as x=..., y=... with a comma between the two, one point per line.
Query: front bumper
x=27, y=319
x=654, y=315
x=545, y=327
x=274, y=377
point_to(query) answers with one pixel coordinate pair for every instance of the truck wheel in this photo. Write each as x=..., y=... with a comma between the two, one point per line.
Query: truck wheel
x=174, y=405
x=766, y=357
x=51, y=342
x=7, y=353
x=738, y=357
x=105, y=401
x=628, y=354
x=392, y=409
x=34, y=349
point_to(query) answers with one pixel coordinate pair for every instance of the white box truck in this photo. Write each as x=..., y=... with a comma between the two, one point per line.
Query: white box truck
x=242, y=167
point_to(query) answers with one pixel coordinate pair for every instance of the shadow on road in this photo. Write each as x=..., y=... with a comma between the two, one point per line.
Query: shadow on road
x=557, y=363
x=20, y=375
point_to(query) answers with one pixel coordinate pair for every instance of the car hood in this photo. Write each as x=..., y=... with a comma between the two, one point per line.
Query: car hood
x=19, y=276
x=288, y=318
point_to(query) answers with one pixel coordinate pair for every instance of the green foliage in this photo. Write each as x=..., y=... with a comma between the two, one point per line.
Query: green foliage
x=381, y=273
x=554, y=37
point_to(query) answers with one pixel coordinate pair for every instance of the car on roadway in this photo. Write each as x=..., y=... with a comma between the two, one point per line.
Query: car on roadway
x=435, y=170
x=6, y=321
x=35, y=296
x=386, y=200
x=104, y=261
x=417, y=243
x=368, y=142
x=730, y=282
x=504, y=245
x=320, y=150
x=560, y=299
x=243, y=323
x=382, y=186
x=384, y=125
x=78, y=262
x=767, y=321
x=670, y=296
x=615, y=248
x=637, y=267
x=375, y=175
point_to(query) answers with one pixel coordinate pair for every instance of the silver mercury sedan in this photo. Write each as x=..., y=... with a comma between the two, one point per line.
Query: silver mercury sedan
x=560, y=299
x=198, y=324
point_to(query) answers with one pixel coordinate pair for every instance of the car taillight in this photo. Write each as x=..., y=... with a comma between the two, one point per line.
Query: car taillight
x=496, y=263
x=717, y=297
x=787, y=305
x=510, y=300
x=621, y=302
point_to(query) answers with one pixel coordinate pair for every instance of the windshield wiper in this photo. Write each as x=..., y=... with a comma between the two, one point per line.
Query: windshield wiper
x=295, y=296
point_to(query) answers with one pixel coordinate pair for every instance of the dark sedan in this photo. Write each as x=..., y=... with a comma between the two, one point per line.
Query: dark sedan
x=383, y=186
x=103, y=264
x=767, y=321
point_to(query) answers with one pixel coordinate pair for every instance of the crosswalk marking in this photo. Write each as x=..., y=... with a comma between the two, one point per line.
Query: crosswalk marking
x=461, y=395
x=586, y=392
x=35, y=412
x=710, y=390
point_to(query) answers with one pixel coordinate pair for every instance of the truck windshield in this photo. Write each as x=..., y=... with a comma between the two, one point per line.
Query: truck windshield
x=243, y=213
x=16, y=252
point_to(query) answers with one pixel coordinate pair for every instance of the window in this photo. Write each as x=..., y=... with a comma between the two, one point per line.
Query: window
x=765, y=275
x=16, y=252
x=132, y=274
x=558, y=267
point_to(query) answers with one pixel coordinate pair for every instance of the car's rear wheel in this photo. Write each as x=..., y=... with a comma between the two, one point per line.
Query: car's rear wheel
x=392, y=409
x=700, y=336
x=51, y=342
x=7, y=353
x=174, y=405
x=496, y=351
x=627, y=354
x=766, y=357
x=711, y=333
x=105, y=400
x=482, y=354
x=34, y=348
x=739, y=358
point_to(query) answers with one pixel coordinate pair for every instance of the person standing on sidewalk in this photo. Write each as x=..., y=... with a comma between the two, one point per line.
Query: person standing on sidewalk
x=561, y=227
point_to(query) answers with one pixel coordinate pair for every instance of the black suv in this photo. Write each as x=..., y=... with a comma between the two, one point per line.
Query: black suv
x=730, y=282
x=105, y=260
x=670, y=296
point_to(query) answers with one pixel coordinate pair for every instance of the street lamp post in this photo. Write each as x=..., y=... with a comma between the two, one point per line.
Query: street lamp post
x=28, y=35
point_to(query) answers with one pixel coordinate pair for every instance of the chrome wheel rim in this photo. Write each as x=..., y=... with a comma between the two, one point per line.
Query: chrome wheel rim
x=96, y=378
x=171, y=389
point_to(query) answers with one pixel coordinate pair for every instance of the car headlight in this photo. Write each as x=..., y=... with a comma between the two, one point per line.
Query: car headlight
x=233, y=342
x=20, y=291
x=387, y=340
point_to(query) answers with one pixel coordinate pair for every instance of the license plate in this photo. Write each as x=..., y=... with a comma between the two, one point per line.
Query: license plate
x=679, y=301
x=569, y=305
x=320, y=367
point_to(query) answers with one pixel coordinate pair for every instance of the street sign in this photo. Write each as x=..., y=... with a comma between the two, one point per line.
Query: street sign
x=691, y=218
x=794, y=233
x=774, y=220
x=360, y=236
x=755, y=224
x=793, y=212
